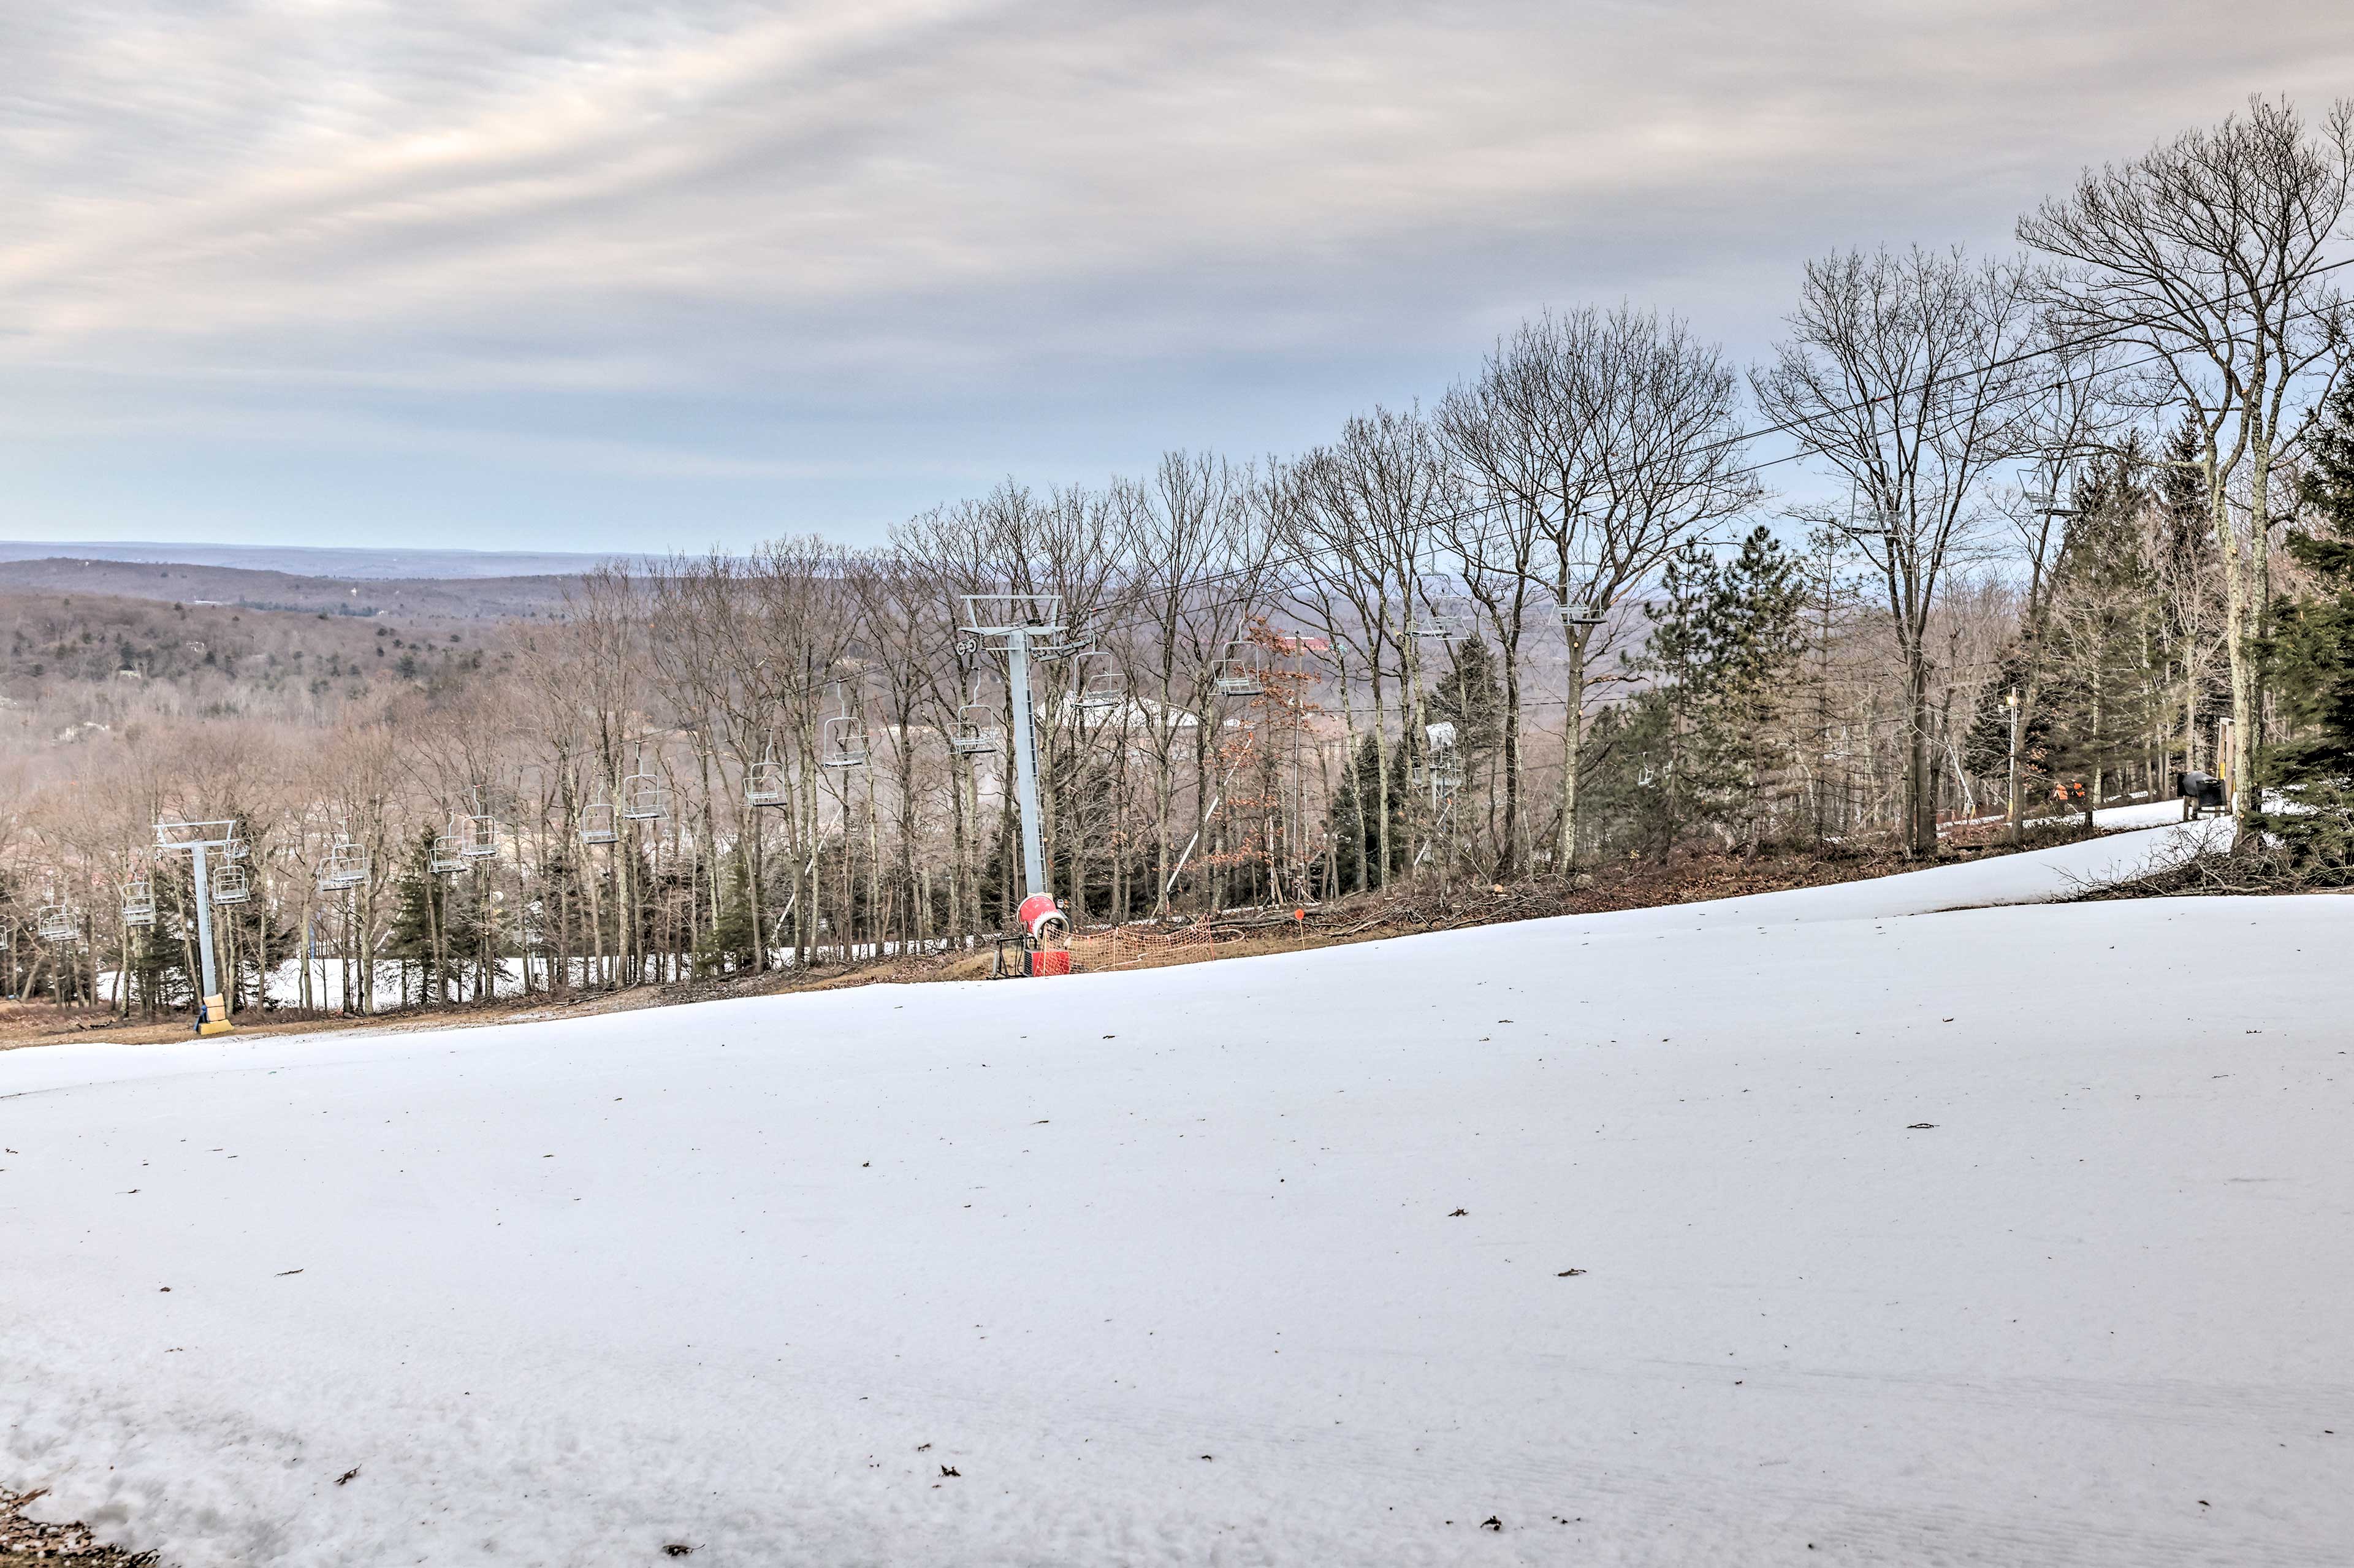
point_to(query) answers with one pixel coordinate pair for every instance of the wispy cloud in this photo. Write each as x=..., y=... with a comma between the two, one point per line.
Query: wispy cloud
x=778, y=243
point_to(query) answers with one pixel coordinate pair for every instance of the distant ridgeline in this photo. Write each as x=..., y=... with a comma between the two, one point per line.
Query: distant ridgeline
x=314, y=561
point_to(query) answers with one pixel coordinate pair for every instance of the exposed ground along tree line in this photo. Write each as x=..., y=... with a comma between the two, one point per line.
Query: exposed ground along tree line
x=1982, y=537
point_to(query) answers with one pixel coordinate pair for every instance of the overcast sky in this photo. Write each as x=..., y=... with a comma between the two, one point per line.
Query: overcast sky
x=578, y=273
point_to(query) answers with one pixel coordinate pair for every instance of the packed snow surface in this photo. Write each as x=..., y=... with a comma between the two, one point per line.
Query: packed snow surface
x=1270, y=1261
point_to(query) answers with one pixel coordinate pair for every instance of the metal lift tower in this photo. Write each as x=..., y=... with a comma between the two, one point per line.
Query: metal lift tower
x=1024, y=626
x=199, y=839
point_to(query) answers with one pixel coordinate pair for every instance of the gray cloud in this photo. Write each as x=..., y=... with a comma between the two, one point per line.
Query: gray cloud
x=707, y=270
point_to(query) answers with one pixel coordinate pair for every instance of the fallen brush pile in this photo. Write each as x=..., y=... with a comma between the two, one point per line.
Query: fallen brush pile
x=2249, y=869
x=1634, y=882
x=24, y=1541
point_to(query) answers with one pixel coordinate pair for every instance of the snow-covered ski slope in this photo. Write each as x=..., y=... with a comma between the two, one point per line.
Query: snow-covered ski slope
x=748, y=1276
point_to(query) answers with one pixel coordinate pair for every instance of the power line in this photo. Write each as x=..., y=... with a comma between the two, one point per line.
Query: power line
x=1733, y=440
x=1790, y=426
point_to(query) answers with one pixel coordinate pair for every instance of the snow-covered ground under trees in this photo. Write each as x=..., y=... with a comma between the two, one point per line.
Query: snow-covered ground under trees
x=327, y=978
x=1268, y=1261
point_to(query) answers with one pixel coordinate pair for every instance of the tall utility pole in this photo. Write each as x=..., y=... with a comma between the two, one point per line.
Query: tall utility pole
x=2012, y=809
x=1021, y=626
x=2045, y=505
x=199, y=839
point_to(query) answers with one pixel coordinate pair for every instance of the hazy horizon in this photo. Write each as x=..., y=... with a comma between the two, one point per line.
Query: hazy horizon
x=314, y=560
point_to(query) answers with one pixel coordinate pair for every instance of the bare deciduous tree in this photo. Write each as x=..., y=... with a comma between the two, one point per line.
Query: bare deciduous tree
x=1607, y=440
x=1904, y=372
x=2207, y=253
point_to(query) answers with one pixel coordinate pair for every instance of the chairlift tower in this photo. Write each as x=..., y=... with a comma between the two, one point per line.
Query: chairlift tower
x=1021, y=626
x=198, y=840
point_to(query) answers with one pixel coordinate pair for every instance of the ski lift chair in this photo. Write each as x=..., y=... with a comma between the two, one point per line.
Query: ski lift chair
x=138, y=901
x=231, y=885
x=446, y=861
x=478, y=835
x=842, y=742
x=1445, y=760
x=1240, y=674
x=56, y=923
x=476, y=832
x=976, y=731
x=644, y=796
x=1101, y=686
x=597, y=823
x=1577, y=617
x=764, y=781
x=1447, y=625
x=346, y=866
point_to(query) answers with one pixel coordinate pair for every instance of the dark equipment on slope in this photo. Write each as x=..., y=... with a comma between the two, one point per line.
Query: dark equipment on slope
x=2201, y=793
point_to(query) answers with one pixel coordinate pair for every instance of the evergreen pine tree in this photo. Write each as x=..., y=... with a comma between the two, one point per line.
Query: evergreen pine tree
x=729, y=943
x=2310, y=657
x=1352, y=819
x=1471, y=696
x=427, y=905
x=2181, y=496
x=159, y=953
x=1622, y=805
x=2097, y=701
x=1705, y=737
x=1986, y=744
